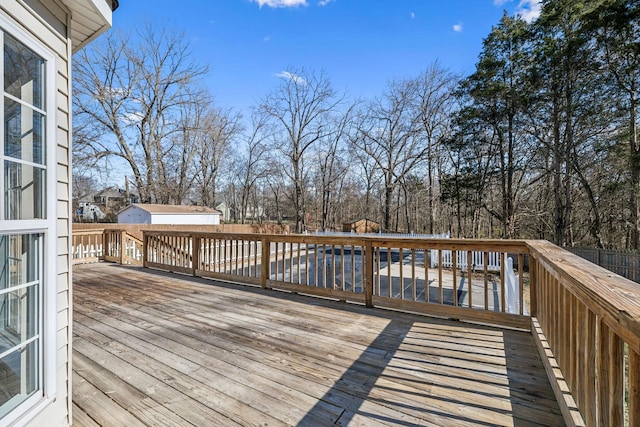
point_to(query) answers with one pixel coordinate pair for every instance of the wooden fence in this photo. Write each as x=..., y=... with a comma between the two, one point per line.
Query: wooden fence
x=624, y=263
x=137, y=229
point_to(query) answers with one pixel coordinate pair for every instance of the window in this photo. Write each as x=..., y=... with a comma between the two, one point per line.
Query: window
x=20, y=330
x=27, y=225
x=24, y=121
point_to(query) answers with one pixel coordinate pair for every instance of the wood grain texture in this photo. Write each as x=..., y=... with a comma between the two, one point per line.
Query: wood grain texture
x=609, y=296
x=152, y=346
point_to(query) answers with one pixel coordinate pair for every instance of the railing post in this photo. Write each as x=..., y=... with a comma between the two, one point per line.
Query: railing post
x=105, y=244
x=533, y=286
x=195, y=260
x=368, y=265
x=122, y=257
x=266, y=262
x=145, y=244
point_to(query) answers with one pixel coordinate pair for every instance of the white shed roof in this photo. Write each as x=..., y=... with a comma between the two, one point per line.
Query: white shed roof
x=159, y=209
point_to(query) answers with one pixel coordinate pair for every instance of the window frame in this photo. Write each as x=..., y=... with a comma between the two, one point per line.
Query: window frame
x=47, y=227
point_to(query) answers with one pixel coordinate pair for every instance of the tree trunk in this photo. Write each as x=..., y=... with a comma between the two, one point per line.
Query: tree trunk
x=634, y=160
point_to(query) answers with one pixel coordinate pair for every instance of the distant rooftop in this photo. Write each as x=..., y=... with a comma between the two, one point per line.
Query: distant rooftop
x=174, y=209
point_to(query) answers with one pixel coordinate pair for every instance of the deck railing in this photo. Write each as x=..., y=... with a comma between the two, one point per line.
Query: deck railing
x=87, y=246
x=108, y=245
x=381, y=272
x=587, y=326
x=585, y=320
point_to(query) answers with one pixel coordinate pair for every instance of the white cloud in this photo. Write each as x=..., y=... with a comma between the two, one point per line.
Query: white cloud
x=457, y=28
x=293, y=77
x=325, y=2
x=266, y=39
x=281, y=3
x=413, y=15
x=132, y=118
x=529, y=10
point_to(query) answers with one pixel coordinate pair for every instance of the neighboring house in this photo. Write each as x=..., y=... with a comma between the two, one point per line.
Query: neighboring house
x=90, y=212
x=254, y=213
x=114, y=198
x=103, y=204
x=37, y=38
x=107, y=201
x=361, y=226
x=139, y=213
x=225, y=211
x=229, y=214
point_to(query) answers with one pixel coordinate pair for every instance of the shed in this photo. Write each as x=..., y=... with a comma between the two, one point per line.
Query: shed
x=362, y=225
x=144, y=213
x=37, y=40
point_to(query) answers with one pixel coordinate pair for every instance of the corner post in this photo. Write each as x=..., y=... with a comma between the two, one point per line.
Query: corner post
x=105, y=244
x=195, y=259
x=123, y=246
x=145, y=252
x=265, y=262
x=533, y=286
x=368, y=265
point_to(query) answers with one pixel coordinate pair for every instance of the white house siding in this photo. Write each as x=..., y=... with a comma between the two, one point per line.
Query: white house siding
x=47, y=22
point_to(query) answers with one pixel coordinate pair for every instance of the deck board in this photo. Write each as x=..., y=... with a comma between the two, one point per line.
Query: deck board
x=155, y=348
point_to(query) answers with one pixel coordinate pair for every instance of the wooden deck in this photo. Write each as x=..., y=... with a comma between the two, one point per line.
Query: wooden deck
x=153, y=348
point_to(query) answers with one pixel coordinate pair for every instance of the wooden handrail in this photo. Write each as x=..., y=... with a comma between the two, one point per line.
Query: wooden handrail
x=315, y=264
x=586, y=322
x=612, y=297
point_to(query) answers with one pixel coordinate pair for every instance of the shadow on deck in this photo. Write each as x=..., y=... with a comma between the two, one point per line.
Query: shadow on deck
x=154, y=348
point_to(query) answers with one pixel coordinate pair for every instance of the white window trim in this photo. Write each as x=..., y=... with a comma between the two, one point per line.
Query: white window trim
x=30, y=407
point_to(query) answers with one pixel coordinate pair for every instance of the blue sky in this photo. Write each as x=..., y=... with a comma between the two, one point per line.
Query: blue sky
x=361, y=44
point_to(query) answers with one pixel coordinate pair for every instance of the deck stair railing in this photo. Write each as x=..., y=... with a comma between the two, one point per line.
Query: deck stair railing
x=106, y=245
x=87, y=246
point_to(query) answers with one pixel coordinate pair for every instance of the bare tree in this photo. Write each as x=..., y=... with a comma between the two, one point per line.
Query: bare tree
x=218, y=131
x=330, y=162
x=296, y=109
x=434, y=104
x=389, y=134
x=182, y=148
x=366, y=176
x=276, y=187
x=133, y=90
x=250, y=168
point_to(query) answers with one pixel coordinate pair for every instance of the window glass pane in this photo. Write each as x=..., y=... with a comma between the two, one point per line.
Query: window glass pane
x=23, y=72
x=23, y=132
x=19, y=371
x=24, y=191
x=19, y=255
x=20, y=318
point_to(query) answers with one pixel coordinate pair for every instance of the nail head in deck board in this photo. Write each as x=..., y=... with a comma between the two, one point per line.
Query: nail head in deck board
x=378, y=370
